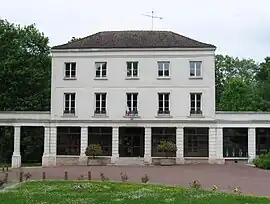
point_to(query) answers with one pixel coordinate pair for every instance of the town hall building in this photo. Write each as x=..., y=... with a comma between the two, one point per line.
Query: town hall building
x=129, y=90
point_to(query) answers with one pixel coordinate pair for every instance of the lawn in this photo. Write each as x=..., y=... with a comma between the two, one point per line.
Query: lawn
x=64, y=192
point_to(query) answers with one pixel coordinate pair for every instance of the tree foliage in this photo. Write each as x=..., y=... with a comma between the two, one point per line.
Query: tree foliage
x=24, y=68
x=236, y=84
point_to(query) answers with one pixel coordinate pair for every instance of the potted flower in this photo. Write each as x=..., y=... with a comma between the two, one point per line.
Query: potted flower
x=167, y=147
x=93, y=151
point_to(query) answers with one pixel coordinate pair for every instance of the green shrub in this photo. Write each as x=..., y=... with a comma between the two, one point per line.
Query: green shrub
x=166, y=147
x=93, y=150
x=263, y=161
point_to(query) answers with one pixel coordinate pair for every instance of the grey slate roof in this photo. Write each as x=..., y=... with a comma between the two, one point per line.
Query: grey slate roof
x=134, y=39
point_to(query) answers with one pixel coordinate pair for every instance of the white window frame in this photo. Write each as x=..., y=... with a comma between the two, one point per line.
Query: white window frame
x=68, y=110
x=100, y=65
x=68, y=67
x=196, y=110
x=131, y=109
x=195, y=69
x=164, y=94
x=98, y=97
x=132, y=69
x=163, y=69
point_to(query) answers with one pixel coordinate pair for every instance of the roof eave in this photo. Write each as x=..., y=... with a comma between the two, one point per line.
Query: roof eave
x=53, y=50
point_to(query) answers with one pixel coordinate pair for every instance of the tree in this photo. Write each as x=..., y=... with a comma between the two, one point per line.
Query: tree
x=236, y=75
x=74, y=39
x=24, y=68
x=25, y=79
x=263, y=77
x=238, y=95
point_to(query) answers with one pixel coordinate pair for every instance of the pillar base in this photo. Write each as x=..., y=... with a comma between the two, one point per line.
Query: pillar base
x=16, y=161
x=216, y=161
x=147, y=160
x=180, y=160
x=83, y=160
x=114, y=159
x=48, y=161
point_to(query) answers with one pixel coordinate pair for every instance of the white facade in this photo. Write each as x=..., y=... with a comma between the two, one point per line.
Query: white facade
x=179, y=84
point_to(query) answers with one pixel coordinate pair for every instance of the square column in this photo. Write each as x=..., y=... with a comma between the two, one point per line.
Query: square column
x=84, y=144
x=180, y=145
x=115, y=145
x=212, y=146
x=16, y=157
x=219, y=146
x=50, y=139
x=251, y=144
x=147, y=145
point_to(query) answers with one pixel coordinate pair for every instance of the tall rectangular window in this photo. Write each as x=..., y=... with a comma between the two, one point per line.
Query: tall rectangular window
x=163, y=103
x=70, y=70
x=132, y=69
x=195, y=103
x=163, y=69
x=69, y=103
x=195, y=68
x=100, y=103
x=101, y=69
x=132, y=104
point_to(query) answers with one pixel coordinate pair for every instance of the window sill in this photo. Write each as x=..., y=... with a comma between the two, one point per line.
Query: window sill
x=164, y=78
x=132, y=78
x=100, y=78
x=163, y=116
x=100, y=116
x=199, y=77
x=196, y=116
x=69, y=115
x=70, y=78
x=135, y=116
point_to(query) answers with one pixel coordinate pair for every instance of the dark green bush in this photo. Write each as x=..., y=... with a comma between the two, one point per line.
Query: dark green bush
x=263, y=161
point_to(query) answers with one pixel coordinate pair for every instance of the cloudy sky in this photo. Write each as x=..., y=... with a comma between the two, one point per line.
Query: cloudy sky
x=237, y=27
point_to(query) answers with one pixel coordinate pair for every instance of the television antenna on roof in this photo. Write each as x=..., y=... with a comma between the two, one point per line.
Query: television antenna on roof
x=153, y=16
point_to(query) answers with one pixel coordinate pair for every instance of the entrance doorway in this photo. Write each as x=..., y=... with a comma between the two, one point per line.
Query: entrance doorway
x=131, y=141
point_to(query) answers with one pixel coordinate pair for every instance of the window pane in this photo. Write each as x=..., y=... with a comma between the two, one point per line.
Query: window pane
x=72, y=103
x=198, y=97
x=73, y=97
x=160, y=66
x=66, y=97
x=167, y=104
x=135, y=96
x=73, y=73
x=104, y=97
x=129, y=97
x=192, y=104
x=166, y=73
x=103, y=72
x=192, y=65
x=166, y=65
x=167, y=97
x=73, y=66
x=103, y=104
x=135, y=71
x=129, y=71
x=160, y=105
x=160, y=73
x=66, y=105
x=160, y=97
x=192, y=71
x=198, y=69
x=192, y=97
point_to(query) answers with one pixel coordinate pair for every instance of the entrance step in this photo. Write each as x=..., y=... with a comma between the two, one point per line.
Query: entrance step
x=130, y=161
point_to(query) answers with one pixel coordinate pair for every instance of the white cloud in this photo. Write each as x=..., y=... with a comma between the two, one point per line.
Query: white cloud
x=238, y=28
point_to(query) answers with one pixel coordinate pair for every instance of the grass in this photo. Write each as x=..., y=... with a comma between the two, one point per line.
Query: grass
x=64, y=192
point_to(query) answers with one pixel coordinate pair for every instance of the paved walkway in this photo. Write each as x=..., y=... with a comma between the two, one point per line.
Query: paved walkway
x=250, y=180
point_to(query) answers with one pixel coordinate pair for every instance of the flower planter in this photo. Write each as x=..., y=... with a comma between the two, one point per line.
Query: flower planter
x=167, y=161
x=98, y=162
